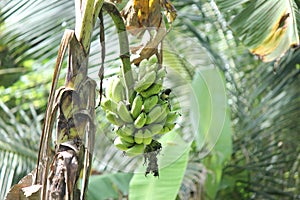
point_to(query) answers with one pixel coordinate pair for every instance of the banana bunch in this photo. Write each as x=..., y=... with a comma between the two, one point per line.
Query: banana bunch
x=146, y=114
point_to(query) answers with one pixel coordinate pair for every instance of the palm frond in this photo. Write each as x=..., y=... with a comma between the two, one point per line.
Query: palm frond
x=19, y=139
x=30, y=29
x=193, y=180
x=267, y=28
x=267, y=141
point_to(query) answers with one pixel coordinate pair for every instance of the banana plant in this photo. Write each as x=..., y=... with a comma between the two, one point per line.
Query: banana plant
x=58, y=172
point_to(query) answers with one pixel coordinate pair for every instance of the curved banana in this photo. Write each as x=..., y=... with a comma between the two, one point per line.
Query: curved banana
x=134, y=74
x=114, y=118
x=138, y=137
x=140, y=120
x=142, y=69
x=108, y=90
x=155, y=113
x=168, y=127
x=152, y=68
x=171, y=117
x=155, y=128
x=124, y=136
x=123, y=112
x=135, y=150
x=161, y=73
x=128, y=139
x=118, y=91
x=132, y=96
x=145, y=82
x=108, y=104
x=120, y=145
x=150, y=102
x=155, y=88
x=163, y=115
x=127, y=130
x=147, y=137
x=136, y=106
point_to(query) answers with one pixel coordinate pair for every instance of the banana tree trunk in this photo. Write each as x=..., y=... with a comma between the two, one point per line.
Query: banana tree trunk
x=75, y=129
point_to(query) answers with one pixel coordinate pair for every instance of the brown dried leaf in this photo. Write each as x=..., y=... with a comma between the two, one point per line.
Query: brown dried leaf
x=24, y=190
x=145, y=15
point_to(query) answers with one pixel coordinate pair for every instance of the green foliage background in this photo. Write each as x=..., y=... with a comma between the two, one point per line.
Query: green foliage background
x=256, y=156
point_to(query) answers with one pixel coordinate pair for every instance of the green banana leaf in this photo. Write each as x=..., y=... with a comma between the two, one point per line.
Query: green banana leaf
x=267, y=27
x=108, y=186
x=172, y=162
x=211, y=121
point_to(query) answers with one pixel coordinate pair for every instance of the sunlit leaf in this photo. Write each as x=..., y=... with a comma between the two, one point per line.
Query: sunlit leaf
x=267, y=28
x=211, y=120
x=108, y=186
x=172, y=162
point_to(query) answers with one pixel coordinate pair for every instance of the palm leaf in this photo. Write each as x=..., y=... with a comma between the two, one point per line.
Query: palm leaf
x=19, y=138
x=31, y=23
x=267, y=28
x=114, y=186
x=172, y=167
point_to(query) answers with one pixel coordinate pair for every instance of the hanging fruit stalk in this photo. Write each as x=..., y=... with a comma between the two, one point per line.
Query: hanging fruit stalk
x=146, y=114
x=140, y=121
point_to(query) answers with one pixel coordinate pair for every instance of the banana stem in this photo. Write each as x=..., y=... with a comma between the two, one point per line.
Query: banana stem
x=86, y=12
x=124, y=47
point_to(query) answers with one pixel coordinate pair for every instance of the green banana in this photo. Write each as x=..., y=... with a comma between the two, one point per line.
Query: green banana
x=147, y=141
x=140, y=120
x=120, y=144
x=155, y=88
x=171, y=117
x=136, y=106
x=147, y=137
x=134, y=74
x=152, y=68
x=150, y=102
x=164, y=131
x=128, y=138
x=108, y=90
x=161, y=73
x=123, y=112
x=142, y=69
x=155, y=128
x=145, y=82
x=137, y=149
x=127, y=129
x=164, y=112
x=154, y=114
x=168, y=127
x=114, y=118
x=152, y=60
x=109, y=105
x=132, y=96
x=118, y=91
x=138, y=137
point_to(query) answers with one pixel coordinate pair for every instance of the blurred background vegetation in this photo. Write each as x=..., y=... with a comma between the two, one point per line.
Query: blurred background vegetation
x=257, y=155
